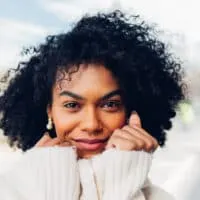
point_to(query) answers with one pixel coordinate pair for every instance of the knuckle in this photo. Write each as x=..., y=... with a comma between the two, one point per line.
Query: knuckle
x=149, y=146
x=156, y=143
x=134, y=146
x=141, y=144
x=126, y=127
x=117, y=132
x=113, y=139
x=127, y=146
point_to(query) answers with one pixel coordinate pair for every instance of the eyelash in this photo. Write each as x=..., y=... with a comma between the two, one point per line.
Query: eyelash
x=111, y=105
x=116, y=104
x=71, y=103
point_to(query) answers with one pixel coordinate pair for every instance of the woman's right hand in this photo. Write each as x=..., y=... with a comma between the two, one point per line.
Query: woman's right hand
x=47, y=141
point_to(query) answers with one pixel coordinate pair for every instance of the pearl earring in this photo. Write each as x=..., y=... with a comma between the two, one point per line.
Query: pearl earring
x=49, y=125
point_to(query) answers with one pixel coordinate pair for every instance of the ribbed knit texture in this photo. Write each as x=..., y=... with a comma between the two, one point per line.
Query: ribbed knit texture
x=154, y=193
x=120, y=174
x=46, y=174
x=89, y=190
x=54, y=173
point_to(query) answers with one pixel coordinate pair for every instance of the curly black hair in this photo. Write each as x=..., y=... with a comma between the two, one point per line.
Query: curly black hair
x=149, y=76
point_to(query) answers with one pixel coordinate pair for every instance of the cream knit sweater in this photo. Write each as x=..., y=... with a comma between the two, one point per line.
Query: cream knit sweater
x=54, y=173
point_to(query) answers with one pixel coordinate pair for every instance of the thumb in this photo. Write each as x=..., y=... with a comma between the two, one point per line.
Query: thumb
x=134, y=120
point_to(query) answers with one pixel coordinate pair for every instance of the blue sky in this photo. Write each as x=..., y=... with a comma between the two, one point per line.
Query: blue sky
x=26, y=22
x=28, y=11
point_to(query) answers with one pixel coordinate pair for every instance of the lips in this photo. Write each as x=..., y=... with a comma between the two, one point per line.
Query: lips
x=92, y=141
x=91, y=144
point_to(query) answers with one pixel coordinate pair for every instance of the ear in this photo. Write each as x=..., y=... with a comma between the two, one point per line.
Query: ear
x=134, y=120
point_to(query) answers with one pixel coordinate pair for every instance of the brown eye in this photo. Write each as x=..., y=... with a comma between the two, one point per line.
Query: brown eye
x=72, y=105
x=111, y=105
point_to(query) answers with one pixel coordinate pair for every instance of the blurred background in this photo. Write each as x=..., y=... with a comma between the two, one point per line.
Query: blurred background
x=24, y=23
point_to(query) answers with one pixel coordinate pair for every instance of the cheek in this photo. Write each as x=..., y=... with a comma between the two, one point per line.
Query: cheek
x=114, y=121
x=63, y=123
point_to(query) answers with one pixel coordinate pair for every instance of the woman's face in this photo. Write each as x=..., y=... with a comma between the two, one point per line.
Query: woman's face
x=87, y=109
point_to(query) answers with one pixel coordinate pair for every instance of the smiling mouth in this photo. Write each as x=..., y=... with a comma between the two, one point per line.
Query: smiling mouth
x=91, y=141
x=91, y=144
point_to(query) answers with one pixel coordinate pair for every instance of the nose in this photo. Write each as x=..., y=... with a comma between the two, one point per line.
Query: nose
x=91, y=122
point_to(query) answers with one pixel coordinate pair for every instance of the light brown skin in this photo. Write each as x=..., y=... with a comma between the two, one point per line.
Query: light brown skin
x=92, y=114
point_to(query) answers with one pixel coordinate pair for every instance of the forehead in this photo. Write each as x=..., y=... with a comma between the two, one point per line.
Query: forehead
x=85, y=77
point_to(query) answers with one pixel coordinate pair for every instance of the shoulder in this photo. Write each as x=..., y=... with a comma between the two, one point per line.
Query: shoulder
x=153, y=192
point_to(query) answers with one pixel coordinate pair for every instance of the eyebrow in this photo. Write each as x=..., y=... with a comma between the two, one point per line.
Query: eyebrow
x=78, y=97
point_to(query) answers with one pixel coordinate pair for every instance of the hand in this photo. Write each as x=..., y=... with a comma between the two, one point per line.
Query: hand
x=47, y=141
x=132, y=137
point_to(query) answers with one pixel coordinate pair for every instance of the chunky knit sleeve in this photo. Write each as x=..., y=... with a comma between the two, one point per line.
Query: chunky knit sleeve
x=118, y=175
x=44, y=174
x=153, y=192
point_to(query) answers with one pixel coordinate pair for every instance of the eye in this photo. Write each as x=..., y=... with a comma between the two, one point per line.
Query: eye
x=73, y=106
x=111, y=105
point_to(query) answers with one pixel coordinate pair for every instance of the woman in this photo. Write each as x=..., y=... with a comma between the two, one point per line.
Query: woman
x=99, y=99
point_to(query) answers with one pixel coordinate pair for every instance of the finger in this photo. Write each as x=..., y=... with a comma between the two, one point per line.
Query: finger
x=43, y=140
x=121, y=144
x=148, y=135
x=134, y=120
x=151, y=142
x=139, y=141
x=53, y=142
x=119, y=134
x=66, y=143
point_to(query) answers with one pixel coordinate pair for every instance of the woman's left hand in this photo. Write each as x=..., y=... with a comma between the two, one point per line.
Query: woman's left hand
x=132, y=137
